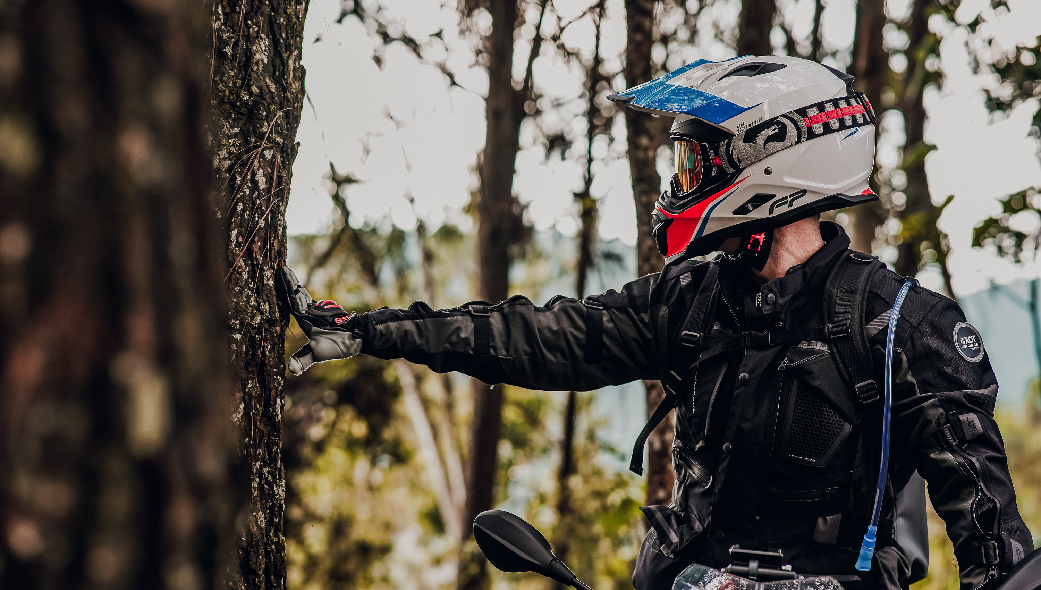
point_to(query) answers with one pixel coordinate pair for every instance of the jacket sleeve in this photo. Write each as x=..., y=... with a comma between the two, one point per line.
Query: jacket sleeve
x=565, y=344
x=944, y=395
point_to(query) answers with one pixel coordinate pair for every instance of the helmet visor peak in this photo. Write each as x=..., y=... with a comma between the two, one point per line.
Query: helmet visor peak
x=688, y=164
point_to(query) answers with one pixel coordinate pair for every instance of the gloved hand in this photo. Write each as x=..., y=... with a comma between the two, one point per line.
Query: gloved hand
x=324, y=322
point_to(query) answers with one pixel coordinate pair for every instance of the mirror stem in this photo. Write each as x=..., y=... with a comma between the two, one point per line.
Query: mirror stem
x=560, y=572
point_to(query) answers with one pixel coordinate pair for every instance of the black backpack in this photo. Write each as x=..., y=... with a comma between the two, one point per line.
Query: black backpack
x=847, y=333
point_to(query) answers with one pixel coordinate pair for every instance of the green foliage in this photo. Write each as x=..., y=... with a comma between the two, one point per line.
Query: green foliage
x=1021, y=432
x=603, y=533
x=1017, y=71
x=344, y=455
x=996, y=232
x=360, y=509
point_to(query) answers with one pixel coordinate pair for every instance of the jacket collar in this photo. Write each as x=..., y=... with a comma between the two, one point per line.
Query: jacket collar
x=800, y=279
x=810, y=275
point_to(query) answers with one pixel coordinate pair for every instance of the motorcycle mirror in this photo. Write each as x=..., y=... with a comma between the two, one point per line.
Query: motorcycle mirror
x=513, y=545
x=1026, y=575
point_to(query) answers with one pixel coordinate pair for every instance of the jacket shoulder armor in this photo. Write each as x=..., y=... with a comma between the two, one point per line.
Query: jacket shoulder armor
x=919, y=304
x=675, y=271
x=680, y=281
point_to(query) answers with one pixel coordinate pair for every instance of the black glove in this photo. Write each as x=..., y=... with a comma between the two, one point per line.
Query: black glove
x=325, y=323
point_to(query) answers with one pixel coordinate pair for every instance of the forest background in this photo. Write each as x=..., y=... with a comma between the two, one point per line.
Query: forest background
x=447, y=152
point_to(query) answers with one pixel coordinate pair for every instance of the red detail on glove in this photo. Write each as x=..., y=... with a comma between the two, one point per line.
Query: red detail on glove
x=343, y=319
x=867, y=191
x=716, y=161
x=328, y=304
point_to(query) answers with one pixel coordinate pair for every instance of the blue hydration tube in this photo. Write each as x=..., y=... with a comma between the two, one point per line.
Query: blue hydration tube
x=867, y=548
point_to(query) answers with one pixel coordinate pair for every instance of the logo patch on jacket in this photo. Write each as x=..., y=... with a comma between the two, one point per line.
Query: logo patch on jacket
x=968, y=342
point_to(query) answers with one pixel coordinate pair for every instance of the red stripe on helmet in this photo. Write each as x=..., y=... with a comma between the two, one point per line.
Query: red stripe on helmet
x=834, y=114
x=685, y=223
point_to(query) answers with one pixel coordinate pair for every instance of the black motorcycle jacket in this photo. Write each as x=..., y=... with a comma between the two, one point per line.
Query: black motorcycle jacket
x=772, y=448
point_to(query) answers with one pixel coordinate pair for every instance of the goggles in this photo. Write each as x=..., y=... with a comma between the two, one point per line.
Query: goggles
x=689, y=164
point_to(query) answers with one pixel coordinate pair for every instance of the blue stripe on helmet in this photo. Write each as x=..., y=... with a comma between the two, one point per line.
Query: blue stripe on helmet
x=659, y=95
x=682, y=100
x=705, y=217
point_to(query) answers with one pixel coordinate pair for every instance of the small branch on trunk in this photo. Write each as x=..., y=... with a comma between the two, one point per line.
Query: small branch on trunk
x=450, y=515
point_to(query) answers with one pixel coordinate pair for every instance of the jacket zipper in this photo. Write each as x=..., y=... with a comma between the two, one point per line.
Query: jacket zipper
x=992, y=574
x=711, y=403
x=967, y=465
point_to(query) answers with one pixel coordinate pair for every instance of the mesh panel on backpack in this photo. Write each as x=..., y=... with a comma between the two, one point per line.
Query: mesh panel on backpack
x=815, y=427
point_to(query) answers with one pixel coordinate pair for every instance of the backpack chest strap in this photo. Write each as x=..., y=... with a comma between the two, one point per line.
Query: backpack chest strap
x=753, y=339
x=844, y=304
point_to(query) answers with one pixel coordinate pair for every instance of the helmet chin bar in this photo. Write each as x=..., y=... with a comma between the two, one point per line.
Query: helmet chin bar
x=755, y=249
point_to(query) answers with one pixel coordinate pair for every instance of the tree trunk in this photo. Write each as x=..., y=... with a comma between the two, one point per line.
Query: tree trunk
x=446, y=429
x=919, y=203
x=256, y=96
x=644, y=136
x=117, y=453
x=498, y=230
x=870, y=67
x=562, y=539
x=816, y=36
x=586, y=242
x=754, y=26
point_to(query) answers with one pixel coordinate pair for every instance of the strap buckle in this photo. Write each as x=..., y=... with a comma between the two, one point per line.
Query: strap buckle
x=592, y=303
x=867, y=391
x=688, y=338
x=478, y=309
x=837, y=329
x=756, y=339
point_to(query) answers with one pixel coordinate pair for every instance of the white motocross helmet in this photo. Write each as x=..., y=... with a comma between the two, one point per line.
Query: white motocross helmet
x=760, y=142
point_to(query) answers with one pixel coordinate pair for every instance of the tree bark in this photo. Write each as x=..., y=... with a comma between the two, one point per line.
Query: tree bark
x=754, y=26
x=116, y=452
x=645, y=134
x=257, y=96
x=870, y=67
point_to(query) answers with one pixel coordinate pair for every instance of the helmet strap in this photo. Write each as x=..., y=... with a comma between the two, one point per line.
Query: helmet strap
x=755, y=249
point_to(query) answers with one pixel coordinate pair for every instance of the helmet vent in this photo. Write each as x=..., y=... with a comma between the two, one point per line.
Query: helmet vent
x=754, y=69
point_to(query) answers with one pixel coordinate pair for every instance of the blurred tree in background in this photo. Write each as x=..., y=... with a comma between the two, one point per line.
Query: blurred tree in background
x=117, y=453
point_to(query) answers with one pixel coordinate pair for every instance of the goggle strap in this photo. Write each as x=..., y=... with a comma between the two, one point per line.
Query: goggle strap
x=834, y=115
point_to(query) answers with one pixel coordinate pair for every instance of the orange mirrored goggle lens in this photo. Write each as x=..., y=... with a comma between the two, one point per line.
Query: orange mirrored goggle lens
x=688, y=164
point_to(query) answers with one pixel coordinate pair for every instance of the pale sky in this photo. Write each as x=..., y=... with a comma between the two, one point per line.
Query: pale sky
x=429, y=149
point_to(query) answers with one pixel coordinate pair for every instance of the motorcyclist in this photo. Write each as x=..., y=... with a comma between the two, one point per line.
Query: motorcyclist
x=777, y=431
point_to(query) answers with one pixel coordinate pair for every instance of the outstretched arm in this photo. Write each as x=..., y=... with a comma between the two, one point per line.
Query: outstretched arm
x=566, y=344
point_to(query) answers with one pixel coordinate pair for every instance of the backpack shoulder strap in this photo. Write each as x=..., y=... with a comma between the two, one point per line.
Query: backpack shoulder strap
x=690, y=335
x=691, y=330
x=845, y=301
